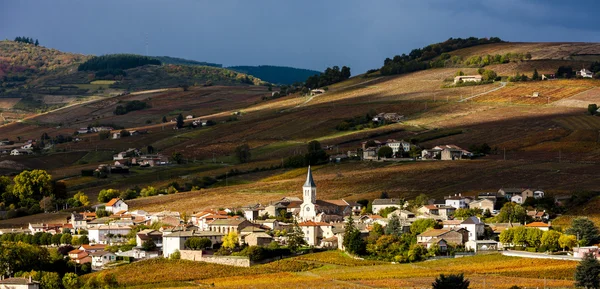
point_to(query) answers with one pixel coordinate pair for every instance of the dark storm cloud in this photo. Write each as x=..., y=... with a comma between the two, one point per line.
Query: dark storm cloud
x=309, y=34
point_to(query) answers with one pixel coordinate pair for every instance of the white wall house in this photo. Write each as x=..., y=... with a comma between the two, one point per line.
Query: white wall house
x=517, y=199
x=475, y=227
x=116, y=205
x=457, y=202
x=105, y=234
x=176, y=241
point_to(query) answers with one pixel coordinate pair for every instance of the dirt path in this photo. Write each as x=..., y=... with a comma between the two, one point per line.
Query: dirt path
x=502, y=85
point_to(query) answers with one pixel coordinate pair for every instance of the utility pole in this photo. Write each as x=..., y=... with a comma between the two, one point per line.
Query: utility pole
x=559, y=152
x=504, y=153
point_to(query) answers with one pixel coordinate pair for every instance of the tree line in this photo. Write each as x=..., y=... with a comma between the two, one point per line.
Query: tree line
x=130, y=106
x=116, y=62
x=330, y=76
x=419, y=59
x=28, y=40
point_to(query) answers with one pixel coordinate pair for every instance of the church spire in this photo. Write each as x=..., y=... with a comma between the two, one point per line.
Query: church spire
x=309, y=179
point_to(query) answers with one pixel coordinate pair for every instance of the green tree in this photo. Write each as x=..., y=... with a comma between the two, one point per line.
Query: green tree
x=32, y=184
x=353, y=242
x=533, y=237
x=592, y=108
x=242, y=153
x=56, y=239
x=81, y=198
x=451, y=282
x=84, y=240
x=196, y=243
x=180, y=121
x=550, y=239
x=416, y=253
x=421, y=225
x=295, y=237
x=107, y=195
x=536, y=75
x=177, y=157
x=489, y=75
x=66, y=239
x=70, y=281
x=586, y=230
x=149, y=245
x=464, y=213
x=511, y=213
x=393, y=227
x=175, y=255
x=50, y=280
x=587, y=273
x=149, y=191
x=164, y=119
x=385, y=152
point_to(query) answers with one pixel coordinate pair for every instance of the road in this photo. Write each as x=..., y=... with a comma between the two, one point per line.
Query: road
x=502, y=85
x=524, y=254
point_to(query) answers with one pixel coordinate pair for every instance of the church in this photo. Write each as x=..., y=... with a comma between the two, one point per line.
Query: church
x=312, y=209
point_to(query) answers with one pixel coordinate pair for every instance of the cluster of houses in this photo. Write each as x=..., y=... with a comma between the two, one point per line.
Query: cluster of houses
x=400, y=149
x=321, y=221
x=17, y=150
x=134, y=157
x=95, y=129
x=446, y=153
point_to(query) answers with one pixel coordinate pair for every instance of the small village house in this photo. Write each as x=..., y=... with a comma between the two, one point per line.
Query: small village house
x=116, y=205
x=380, y=204
x=176, y=241
x=467, y=78
x=19, y=283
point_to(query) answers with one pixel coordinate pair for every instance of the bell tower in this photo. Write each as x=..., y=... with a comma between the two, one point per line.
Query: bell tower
x=309, y=189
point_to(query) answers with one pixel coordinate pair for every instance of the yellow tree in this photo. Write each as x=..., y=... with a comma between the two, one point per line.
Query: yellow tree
x=566, y=242
x=32, y=184
x=230, y=241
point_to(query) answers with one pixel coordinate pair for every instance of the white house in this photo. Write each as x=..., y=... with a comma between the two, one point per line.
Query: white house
x=467, y=78
x=538, y=194
x=105, y=234
x=397, y=146
x=315, y=232
x=101, y=258
x=457, y=202
x=475, y=227
x=116, y=205
x=517, y=199
x=176, y=241
x=380, y=204
x=585, y=73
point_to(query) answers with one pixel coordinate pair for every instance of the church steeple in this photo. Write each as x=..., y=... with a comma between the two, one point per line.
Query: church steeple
x=309, y=189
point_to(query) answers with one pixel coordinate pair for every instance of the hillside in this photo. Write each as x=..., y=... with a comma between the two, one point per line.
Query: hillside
x=182, y=61
x=548, y=142
x=276, y=74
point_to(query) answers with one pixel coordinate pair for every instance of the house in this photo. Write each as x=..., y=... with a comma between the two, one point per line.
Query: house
x=80, y=220
x=584, y=73
x=116, y=205
x=475, y=227
x=315, y=232
x=580, y=252
x=92, y=248
x=402, y=214
x=147, y=235
x=538, y=215
x=508, y=193
x=189, y=116
x=370, y=154
x=258, y=239
x=450, y=236
x=82, y=130
x=272, y=224
x=399, y=146
x=483, y=204
x=446, y=153
x=20, y=152
x=387, y=117
x=429, y=209
x=176, y=241
x=316, y=91
x=540, y=225
x=441, y=243
x=488, y=195
x=19, y=283
x=456, y=201
x=548, y=76
x=228, y=225
x=380, y=204
x=79, y=256
x=482, y=246
x=517, y=199
x=101, y=258
x=538, y=194
x=467, y=78
x=107, y=234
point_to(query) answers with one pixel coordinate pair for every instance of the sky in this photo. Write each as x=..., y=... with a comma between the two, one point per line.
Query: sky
x=312, y=34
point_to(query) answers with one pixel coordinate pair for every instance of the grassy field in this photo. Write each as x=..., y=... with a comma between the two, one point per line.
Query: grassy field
x=549, y=92
x=8, y=103
x=336, y=270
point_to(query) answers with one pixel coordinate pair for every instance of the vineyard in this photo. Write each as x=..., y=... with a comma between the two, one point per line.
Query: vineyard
x=335, y=270
x=537, y=93
x=8, y=103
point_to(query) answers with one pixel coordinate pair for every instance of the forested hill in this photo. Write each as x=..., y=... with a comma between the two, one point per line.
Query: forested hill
x=276, y=74
x=182, y=61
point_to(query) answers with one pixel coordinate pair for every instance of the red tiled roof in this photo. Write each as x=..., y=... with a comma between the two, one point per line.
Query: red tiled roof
x=538, y=225
x=313, y=224
x=112, y=202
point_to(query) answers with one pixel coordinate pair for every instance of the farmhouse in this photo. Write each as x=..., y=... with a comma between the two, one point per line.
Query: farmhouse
x=450, y=236
x=315, y=232
x=483, y=204
x=105, y=234
x=457, y=201
x=101, y=258
x=584, y=73
x=387, y=117
x=467, y=78
x=398, y=146
x=446, y=153
x=228, y=225
x=116, y=205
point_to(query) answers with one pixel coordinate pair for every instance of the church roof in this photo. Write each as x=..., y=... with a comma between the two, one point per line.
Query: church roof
x=309, y=179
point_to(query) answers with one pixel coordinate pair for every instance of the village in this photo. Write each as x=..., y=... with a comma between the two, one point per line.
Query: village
x=450, y=227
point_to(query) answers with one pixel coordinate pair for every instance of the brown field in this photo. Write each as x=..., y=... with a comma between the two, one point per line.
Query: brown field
x=549, y=91
x=8, y=103
x=538, y=50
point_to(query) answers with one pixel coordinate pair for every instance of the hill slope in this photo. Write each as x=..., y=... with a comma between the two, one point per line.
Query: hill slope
x=182, y=61
x=276, y=74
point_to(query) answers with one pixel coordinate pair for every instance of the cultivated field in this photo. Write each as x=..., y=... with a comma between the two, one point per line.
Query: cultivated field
x=548, y=92
x=8, y=103
x=335, y=270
